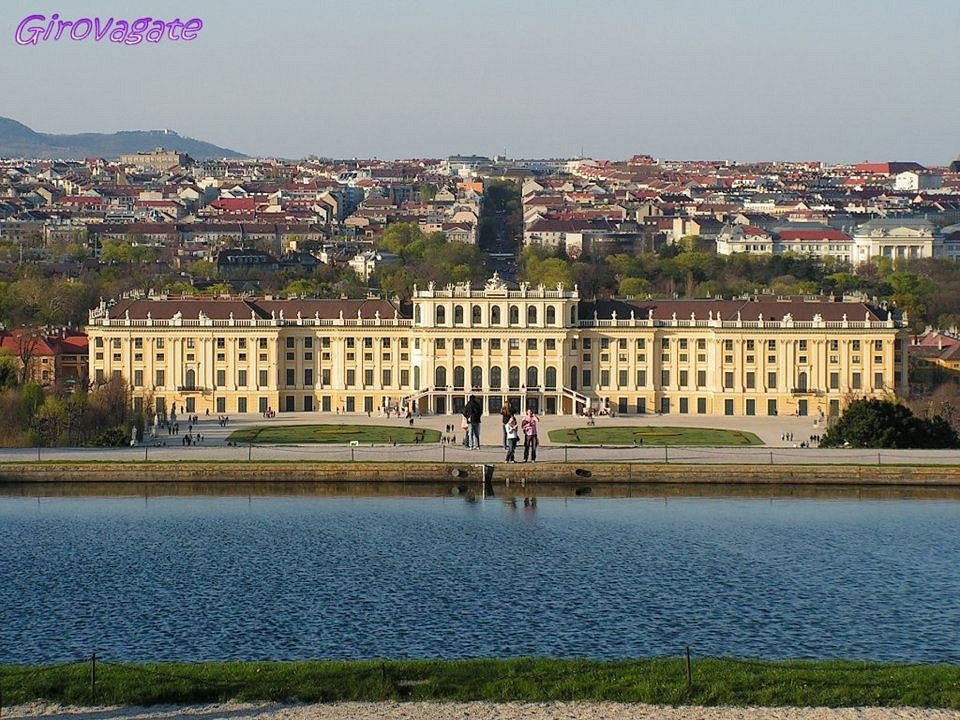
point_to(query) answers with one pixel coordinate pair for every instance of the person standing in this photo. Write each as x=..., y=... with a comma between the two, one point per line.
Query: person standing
x=511, y=431
x=529, y=425
x=506, y=412
x=472, y=412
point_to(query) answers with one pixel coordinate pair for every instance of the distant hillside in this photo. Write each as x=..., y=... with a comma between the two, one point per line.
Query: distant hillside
x=17, y=140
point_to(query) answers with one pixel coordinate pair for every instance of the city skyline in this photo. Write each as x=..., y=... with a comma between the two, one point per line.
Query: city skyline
x=688, y=81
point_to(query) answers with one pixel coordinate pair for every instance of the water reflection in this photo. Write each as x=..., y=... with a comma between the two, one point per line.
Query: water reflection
x=470, y=490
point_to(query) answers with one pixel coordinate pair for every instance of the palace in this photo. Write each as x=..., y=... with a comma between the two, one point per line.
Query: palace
x=537, y=347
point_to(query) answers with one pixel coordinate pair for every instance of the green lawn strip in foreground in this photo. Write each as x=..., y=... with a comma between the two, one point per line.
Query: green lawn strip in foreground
x=653, y=435
x=658, y=681
x=324, y=434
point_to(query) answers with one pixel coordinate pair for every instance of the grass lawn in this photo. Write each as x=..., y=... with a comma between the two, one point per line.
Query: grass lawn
x=660, y=681
x=381, y=434
x=653, y=435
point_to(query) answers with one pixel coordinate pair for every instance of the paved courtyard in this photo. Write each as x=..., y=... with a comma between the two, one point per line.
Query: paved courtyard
x=775, y=450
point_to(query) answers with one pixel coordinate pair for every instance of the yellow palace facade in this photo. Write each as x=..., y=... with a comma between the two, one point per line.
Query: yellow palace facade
x=536, y=347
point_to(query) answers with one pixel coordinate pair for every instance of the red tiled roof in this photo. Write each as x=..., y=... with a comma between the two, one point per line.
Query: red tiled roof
x=826, y=235
x=750, y=310
x=19, y=340
x=241, y=308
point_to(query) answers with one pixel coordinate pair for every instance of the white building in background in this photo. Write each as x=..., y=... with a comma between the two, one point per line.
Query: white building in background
x=894, y=238
x=364, y=264
x=913, y=181
x=805, y=239
x=744, y=238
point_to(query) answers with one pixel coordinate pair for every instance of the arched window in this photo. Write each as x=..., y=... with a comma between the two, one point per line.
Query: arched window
x=440, y=377
x=458, y=314
x=532, y=315
x=551, y=381
x=476, y=377
x=190, y=381
x=573, y=315
x=514, y=315
x=441, y=315
x=416, y=313
x=513, y=377
x=573, y=378
x=496, y=377
x=532, y=377
x=475, y=315
x=802, y=381
x=458, y=376
x=551, y=315
x=495, y=315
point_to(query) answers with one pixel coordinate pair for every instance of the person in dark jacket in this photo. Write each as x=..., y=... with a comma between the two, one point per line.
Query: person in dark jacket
x=472, y=412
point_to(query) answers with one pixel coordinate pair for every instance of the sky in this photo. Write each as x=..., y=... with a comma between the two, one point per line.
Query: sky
x=743, y=80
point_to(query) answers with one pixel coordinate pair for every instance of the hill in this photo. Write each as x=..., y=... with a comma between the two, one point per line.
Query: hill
x=18, y=140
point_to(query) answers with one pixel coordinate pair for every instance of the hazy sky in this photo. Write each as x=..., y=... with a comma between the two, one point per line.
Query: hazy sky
x=832, y=80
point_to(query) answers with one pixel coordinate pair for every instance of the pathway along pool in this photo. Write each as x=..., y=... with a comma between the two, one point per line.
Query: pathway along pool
x=199, y=578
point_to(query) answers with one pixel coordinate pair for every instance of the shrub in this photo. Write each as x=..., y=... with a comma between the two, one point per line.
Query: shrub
x=871, y=423
x=117, y=436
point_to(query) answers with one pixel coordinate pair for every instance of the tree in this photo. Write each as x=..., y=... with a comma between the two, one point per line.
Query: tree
x=9, y=370
x=873, y=423
x=27, y=344
x=911, y=293
x=633, y=286
x=203, y=269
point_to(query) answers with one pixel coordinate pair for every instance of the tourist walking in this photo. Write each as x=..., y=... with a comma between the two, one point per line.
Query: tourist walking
x=511, y=431
x=529, y=425
x=472, y=412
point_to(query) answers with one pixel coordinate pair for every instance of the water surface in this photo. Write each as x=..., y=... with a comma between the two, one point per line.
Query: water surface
x=194, y=578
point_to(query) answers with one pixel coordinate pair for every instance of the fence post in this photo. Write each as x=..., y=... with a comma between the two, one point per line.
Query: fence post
x=771, y=457
x=878, y=458
x=666, y=455
x=38, y=452
x=351, y=453
x=93, y=675
x=146, y=453
x=689, y=673
x=249, y=452
x=565, y=453
x=443, y=453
